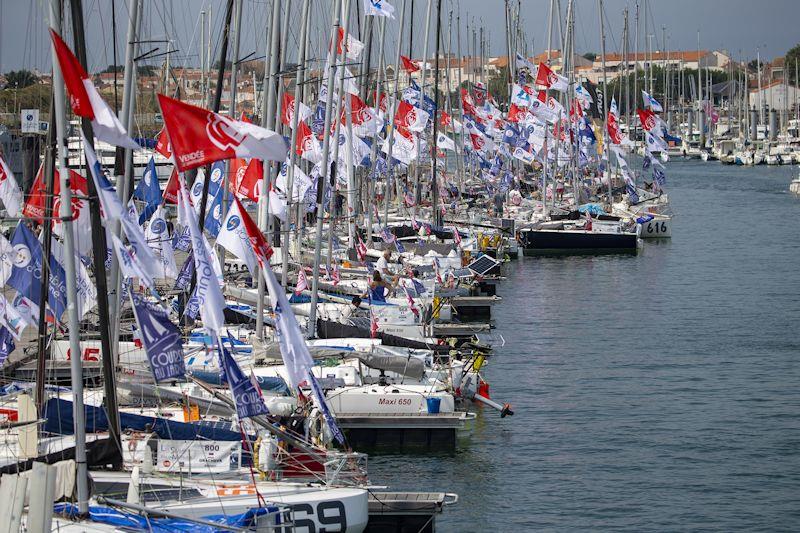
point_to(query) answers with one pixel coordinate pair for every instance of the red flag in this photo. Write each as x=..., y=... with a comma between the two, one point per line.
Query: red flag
x=408, y=65
x=250, y=185
x=302, y=282
x=74, y=74
x=260, y=245
x=162, y=144
x=381, y=99
x=86, y=101
x=410, y=117
x=648, y=119
x=236, y=173
x=613, y=129
x=445, y=119
x=547, y=78
x=516, y=113
x=37, y=199
x=289, y=108
x=467, y=104
x=199, y=136
x=171, y=190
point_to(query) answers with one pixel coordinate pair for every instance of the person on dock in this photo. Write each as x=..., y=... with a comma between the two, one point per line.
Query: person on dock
x=378, y=288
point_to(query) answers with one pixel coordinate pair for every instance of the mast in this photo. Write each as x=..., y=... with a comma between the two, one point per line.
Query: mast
x=436, y=212
x=298, y=84
x=603, y=114
x=323, y=175
x=125, y=155
x=99, y=255
x=374, y=149
x=267, y=117
x=76, y=370
x=390, y=113
x=423, y=72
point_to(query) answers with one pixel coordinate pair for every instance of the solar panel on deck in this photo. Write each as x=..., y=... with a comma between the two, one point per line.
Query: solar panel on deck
x=483, y=265
x=463, y=273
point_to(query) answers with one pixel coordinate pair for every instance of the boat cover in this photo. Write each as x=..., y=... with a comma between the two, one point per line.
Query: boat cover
x=61, y=422
x=135, y=522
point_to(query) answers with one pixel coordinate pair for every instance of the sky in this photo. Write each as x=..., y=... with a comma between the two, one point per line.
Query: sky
x=743, y=27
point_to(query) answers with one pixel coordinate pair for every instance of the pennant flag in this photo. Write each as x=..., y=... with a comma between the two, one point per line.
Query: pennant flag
x=199, y=136
x=6, y=344
x=131, y=266
x=207, y=290
x=261, y=249
x=162, y=144
x=294, y=351
x=302, y=281
x=11, y=319
x=352, y=46
x=650, y=121
x=159, y=240
x=10, y=194
x=651, y=102
x=186, y=273
x=148, y=191
x=35, y=206
x=288, y=109
x=171, y=190
x=233, y=237
x=410, y=117
x=86, y=101
x=378, y=8
x=213, y=220
x=444, y=142
x=26, y=276
x=161, y=339
x=246, y=396
x=335, y=275
x=300, y=181
x=306, y=144
x=8, y=255
x=521, y=95
x=547, y=78
x=409, y=65
x=112, y=208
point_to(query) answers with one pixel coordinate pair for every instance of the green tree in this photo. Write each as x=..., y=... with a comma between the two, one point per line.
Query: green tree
x=792, y=63
x=20, y=79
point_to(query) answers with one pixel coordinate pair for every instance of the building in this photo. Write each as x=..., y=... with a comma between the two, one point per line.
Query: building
x=775, y=95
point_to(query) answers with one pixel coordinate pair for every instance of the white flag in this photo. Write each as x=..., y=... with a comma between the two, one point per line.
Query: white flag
x=11, y=318
x=233, y=237
x=277, y=205
x=9, y=191
x=8, y=256
x=130, y=266
x=207, y=291
x=378, y=8
x=158, y=238
x=444, y=142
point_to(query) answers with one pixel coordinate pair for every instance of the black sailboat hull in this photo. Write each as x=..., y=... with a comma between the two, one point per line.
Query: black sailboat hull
x=547, y=241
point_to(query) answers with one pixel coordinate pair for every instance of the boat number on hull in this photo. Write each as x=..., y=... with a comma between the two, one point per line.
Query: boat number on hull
x=328, y=516
x=659, y=228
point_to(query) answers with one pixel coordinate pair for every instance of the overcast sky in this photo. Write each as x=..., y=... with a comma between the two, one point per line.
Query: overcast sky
x=740, y=26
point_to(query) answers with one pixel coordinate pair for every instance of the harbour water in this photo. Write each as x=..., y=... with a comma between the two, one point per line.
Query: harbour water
x=656, y=392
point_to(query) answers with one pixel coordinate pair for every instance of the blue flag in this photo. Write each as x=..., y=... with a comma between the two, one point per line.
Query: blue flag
x=246, y=395
x=217, y=173
x=148, y=191
x=659, y=176
x=213, y=221
x=6, y=344
x=185, y=275
x=161, y=339
x=26, y=275
x=182, y=240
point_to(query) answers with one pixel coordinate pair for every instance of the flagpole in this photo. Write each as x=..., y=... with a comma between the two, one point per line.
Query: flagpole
x=390, y=116
x=267, y=117
x=603, y=112
x=43, y=346
x=340, y=98
x=277, y=127
x=323, y=175
x=76, y=370
x=436, y=215
x=126, y=118
x=374, y=150
x=99, y=255
x=423, y=72
x=298, y=83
